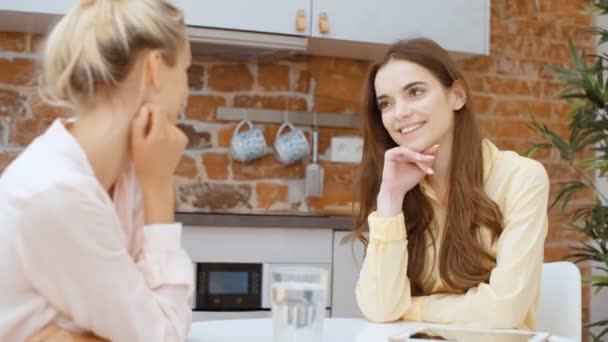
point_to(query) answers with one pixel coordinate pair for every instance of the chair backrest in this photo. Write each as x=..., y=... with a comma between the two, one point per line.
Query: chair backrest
x=559, y=312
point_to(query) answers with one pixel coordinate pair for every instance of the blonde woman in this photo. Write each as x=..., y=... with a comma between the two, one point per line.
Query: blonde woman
x=88, y=240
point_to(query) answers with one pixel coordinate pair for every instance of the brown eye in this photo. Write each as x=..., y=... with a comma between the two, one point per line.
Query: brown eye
x=382, y=105
x=415, y=92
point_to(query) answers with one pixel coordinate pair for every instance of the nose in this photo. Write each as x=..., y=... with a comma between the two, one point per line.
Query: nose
x=402, y=110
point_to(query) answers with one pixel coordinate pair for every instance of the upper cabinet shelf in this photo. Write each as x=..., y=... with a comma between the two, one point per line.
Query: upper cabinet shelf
x=346, y=28
x=458, y=25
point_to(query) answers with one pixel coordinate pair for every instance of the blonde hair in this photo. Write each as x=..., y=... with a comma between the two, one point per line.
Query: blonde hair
x=95, y=45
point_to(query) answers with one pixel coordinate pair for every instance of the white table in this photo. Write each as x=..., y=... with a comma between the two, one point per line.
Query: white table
x=335, y=330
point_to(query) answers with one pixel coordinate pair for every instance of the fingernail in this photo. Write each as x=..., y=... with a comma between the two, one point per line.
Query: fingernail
x=430, y=171
x=436, y=146
x=430, y=157
x=419, y=157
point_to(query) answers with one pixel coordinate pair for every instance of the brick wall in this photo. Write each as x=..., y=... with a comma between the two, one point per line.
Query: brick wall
x=523, y=38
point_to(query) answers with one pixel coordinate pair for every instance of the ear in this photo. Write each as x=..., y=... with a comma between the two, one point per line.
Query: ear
x=153, y=60
x=458, y=95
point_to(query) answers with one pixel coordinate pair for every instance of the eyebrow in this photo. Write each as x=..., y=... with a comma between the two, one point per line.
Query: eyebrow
x=406, y=87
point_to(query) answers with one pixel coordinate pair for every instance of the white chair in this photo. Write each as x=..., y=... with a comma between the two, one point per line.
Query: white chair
x=559, y=312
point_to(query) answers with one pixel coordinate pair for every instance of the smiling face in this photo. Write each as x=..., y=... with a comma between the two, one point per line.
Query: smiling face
x=417, y=109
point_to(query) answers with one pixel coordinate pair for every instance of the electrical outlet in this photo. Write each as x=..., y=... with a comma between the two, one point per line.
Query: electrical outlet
x=346, y=149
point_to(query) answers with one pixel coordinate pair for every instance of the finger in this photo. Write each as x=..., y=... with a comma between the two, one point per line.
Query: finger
x=179, y=136
x=425, y=168
x=158, y=124
x=140, y=125
x=432, y=150
x=412, y=155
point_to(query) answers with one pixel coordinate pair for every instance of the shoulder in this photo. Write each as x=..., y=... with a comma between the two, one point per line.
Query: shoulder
x=511, y=167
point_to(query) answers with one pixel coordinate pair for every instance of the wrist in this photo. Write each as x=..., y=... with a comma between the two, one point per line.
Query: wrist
x=389, y=203
x=158, y=198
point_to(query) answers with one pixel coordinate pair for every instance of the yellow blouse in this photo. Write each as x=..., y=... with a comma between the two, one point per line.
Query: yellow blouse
x=520, y=188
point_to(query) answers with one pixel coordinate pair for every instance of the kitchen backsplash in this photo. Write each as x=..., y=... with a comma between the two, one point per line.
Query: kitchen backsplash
x=523, y=38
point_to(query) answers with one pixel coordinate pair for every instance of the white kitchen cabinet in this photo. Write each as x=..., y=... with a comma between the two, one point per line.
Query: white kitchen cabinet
x=457, y=25
x=359, y=29
x=270, y=16
x=347, y=261
x=37, y=6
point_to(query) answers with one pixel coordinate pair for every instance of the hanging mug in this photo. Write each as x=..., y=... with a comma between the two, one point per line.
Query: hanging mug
x=292, y=146
x=249, y=144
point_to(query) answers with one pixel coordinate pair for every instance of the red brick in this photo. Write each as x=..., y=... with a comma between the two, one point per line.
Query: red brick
x=561, y=172
x=513, y=8
x=476, y=64
x=13, y=41
x=505, y=65
x=303, y=82
x=478, y=84
x=270, y=193
x=509, y=108
x=273, y=77
x=224, y=135
x=558, y=253
x=271, y=102
x=10, y=103
x=266, y=167
x=351, y=68
x=36, y=41
x=17, y=72
x=204, y=108
x=321, y=64
x=520, y=145
x=483, y=104
x=186, y=167
x=343, y=173
x=196, y=139
x=563, y=6
x=334, y=195
x=23, y=131
x=550, y=89
x=230, y=77
x=329, y=105
x=42, y=110
x=339, y=88
x=505, y=128
x=205, y=196
x=504, y=86
x=297, y=58
x=196, y=77
x=216, y=165
x=5, y=159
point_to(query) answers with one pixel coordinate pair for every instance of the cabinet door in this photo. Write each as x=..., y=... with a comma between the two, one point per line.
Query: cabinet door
x=270, y=16
x=37, y=6
x=457, y=25
x=348, y=258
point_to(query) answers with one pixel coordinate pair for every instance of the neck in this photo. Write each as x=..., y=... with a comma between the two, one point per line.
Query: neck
x=103, y=132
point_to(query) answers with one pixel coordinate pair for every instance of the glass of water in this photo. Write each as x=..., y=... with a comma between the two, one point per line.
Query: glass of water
x=298, y=303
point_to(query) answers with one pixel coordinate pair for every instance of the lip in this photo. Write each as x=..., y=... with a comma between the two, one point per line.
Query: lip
x=400, y=128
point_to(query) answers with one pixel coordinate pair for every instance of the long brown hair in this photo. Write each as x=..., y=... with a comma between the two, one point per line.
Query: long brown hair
x=463, y=261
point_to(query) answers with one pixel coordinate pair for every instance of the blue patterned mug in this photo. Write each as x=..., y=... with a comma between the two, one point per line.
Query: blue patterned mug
x=247, y=145
x=292, y=146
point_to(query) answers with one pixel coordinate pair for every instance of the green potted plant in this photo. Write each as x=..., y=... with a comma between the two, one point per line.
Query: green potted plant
x=585, y=90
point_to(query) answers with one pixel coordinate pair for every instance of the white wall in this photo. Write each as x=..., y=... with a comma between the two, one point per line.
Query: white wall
x=599, y=303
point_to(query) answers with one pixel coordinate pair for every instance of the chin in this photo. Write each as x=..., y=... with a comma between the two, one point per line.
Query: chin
x=417, y=145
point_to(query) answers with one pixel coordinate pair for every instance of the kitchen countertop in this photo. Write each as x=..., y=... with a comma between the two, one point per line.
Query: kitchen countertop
x=275, y=220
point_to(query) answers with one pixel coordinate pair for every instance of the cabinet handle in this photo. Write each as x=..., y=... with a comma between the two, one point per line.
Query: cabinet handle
x=323, y=23
x=301, y=20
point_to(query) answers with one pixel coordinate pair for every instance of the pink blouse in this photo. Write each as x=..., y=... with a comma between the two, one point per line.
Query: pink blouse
x=71, y=255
